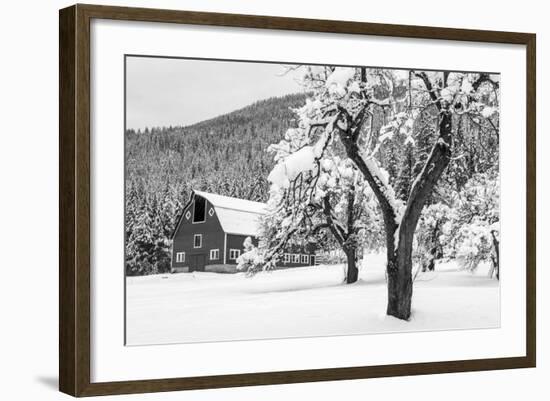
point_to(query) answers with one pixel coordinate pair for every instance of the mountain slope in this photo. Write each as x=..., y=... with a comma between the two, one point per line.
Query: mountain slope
x=224, y=155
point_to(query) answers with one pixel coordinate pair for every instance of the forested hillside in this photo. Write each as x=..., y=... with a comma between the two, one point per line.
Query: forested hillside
x=225, y=155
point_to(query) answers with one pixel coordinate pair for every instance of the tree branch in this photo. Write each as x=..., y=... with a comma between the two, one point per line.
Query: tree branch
x=431, y=90
x=350, y=210
x=422, y=187
x=484, y=77
x=335, y=228
x=378, y=187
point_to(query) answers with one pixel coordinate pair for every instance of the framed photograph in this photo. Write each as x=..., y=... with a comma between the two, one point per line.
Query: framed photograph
x=251, y=200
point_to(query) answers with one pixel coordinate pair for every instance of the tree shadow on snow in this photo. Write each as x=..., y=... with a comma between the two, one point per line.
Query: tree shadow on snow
x=281, y=288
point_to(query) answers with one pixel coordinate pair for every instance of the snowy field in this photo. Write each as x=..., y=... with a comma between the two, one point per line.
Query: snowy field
x=301, y=302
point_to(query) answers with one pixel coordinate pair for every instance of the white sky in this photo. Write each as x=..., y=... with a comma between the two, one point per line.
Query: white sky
x=167, y=91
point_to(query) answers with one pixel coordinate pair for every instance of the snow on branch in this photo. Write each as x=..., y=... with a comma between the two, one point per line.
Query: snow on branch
x=433, y=92
x=303, y=160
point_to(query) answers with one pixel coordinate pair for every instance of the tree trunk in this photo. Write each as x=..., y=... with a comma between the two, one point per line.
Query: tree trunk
x=352, y=273
x=496, y=261
x=399, y=250
x=428, y=265
x=400, y=283
x=434, y=253
x=343, y=237
x=399, y=295
x=400, y=263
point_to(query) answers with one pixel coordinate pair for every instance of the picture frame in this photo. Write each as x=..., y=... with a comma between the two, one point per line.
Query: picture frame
x=75, y=199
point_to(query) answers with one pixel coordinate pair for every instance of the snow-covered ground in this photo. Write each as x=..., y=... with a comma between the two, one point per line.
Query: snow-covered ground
x=301, y=302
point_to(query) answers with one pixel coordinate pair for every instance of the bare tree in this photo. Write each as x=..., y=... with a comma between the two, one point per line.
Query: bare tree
x=348, y=106
x=309, y=200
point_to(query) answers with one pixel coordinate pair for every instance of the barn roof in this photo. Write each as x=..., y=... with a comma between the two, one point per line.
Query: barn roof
x=236, y=216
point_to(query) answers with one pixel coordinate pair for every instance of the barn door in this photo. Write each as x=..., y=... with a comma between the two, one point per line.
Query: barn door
x=197, y=263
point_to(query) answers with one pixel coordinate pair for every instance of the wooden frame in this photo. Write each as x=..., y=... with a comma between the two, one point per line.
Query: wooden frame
x=74, y=200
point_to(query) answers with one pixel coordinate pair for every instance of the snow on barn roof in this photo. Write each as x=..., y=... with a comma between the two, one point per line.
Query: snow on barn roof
x=237, y=216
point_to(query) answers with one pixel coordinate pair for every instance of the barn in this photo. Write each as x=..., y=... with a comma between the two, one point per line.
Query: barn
x=211, y=230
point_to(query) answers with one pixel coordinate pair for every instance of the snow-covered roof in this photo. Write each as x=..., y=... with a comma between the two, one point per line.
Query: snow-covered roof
x=237, y=216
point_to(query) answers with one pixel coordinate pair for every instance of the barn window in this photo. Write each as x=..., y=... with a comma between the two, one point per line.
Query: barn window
x=287, y=258
x=214, y=254
x=295, y=258
x=180, y=257
x=305, y=259
x=199, y=213
x=197, y=241
x=234, y=253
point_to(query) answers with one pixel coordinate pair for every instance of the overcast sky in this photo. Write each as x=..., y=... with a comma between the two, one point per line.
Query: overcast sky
x=166, y=91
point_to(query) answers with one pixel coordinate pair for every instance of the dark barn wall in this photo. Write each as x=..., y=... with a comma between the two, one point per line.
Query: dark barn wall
x=212, y=237
x=282, y=263
x=308, y=250
x=236, y=242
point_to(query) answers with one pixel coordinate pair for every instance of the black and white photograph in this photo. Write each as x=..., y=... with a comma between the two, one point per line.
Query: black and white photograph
x=274, y=200
x=268, y=200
